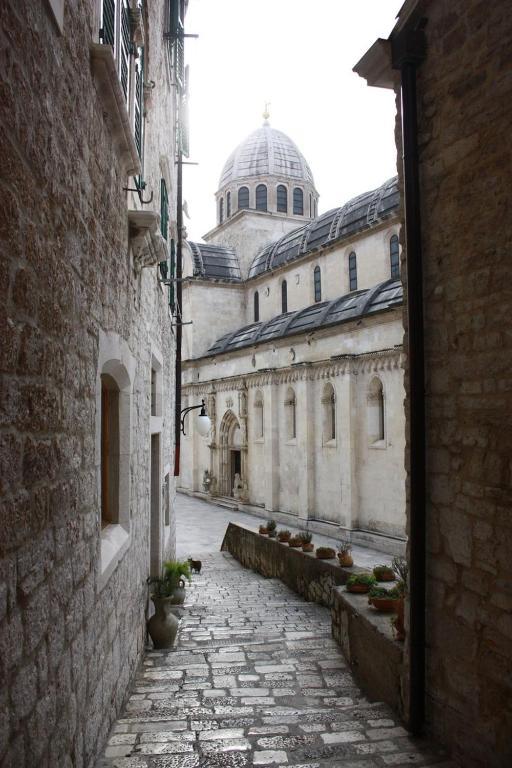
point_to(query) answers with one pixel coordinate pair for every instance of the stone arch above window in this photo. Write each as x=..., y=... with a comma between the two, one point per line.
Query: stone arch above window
x=243, y=197
x=261, y=197
x=282, y=199
x=328, y=413
x=376, y=412
x=298, y=202
x=258, y=415
x=290, y=403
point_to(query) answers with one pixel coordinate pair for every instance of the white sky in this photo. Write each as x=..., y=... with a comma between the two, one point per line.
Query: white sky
x=298, y=55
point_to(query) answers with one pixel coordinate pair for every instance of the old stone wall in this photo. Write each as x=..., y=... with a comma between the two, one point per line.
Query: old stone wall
x=71, y=633
x=465, y=113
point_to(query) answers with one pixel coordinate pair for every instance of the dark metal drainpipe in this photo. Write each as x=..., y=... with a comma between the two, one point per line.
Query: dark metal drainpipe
x=408, y=52
x=178, y=314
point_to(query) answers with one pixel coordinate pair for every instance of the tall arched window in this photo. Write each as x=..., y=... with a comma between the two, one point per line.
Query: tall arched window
x=109, y=450
x=310, y=207
x=298, y=202
x=291, y=414
x=284, y=297
x=221, y=210
x=394, y=256
x=243, y=197
x=376, y=425
x=317, y=281
x=261, y=197
x=328, y=413
x=256, y=306
x=282, y=199
x=258, y=415
x=228, y=205
x=352, y=271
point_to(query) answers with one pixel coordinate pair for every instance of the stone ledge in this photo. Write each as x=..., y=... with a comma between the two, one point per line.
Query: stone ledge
x=364, y=635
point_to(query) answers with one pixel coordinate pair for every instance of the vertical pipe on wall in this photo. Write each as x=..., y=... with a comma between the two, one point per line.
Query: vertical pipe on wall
x=179, y=319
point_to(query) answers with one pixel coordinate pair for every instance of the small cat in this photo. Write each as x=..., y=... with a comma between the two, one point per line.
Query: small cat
x=195, y=565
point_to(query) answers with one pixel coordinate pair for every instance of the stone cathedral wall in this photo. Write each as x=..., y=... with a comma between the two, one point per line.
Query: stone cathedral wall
x=70, y=638
x=465, y=113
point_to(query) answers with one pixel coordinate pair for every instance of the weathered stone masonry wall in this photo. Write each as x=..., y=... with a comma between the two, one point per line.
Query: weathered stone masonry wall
x=68, y=648
x=465, y=113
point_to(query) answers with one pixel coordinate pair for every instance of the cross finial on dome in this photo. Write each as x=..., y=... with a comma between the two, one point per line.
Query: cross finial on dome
x=266, y=113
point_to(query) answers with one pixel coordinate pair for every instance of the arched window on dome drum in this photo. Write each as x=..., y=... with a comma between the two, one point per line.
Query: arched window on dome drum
x=243, y=197
x=261, y=197
x=317, y=281
x=228, y=205
x=352, y=271
x=282, y=199
x=221, y=210
x=256, y=306
x=298, y=202
x=394, y=256
x=284, y=297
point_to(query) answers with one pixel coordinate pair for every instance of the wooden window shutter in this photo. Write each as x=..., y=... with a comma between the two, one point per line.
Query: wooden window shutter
x=125, y=48
x=139, y=106
x=108, y=23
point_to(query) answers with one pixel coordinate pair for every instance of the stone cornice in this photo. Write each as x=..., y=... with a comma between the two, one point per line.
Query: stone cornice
x=367, y=362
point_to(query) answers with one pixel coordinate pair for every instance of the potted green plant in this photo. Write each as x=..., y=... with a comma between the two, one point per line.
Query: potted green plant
x=175, y=573
x=344, y=556
x=271, y=528
x=384, y=599
x=283, y=535
x=401, y=570
x=325, y=553
x=295, y=541
x=360, y=582
x=307, y=544
x=166, y=592
x=384, y=573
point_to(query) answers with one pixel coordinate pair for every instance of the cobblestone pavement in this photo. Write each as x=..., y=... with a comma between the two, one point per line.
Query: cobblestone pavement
x=200, y=527
x=255, y=680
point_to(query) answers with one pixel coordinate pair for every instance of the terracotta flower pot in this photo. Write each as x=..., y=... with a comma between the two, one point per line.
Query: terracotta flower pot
x=346, y=559
x=308, y=547
x=383, y=575
x=163, y=625
x=283, y=539
x=325, y=553
x=263, y=530
x=384, y=604
x=359, y=589
x=294, y=543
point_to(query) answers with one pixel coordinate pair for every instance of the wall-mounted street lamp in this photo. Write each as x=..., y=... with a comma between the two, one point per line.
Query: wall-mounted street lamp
x=203, y=422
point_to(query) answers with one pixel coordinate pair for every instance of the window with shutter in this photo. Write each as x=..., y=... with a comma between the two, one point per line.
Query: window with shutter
x=108, y=22
x=164, y=208
x=139, y=106
x=125, y=48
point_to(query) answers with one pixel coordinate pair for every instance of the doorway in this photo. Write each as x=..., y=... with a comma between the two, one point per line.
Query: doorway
x=155, y=500
x=236, y=468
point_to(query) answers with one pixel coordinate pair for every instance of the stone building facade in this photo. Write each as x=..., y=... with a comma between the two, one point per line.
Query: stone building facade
x=295, y=347
x=89, y=102
x=461, y=54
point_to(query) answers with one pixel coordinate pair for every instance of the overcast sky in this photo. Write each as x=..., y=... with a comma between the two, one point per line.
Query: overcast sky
x=298, y=55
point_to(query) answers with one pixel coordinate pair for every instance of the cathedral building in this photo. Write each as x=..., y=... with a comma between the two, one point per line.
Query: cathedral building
x=296, y=347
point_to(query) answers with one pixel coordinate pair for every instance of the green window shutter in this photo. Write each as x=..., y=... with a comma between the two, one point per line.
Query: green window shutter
x=108, y=18
x=139, y=97
x=172, y=272
x=125, y=48
x=176, y=18
x=164, y=208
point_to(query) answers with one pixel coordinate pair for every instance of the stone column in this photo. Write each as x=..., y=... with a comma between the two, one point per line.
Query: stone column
x=271, y=437
x=306, y=446
x=347, y=426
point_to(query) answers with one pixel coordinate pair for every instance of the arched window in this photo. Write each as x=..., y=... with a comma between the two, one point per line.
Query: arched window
x=110, y=451
x=284, y=297
x=317, y=281
x=258, y=415
x=243, y=197
x=291, y=415
x=394, y=256
x=328, y=413
x=256, y=306
x=221, y=210
x=298, y=202
x=282, y=199
x=352, y=271
x=228, y=205
x=310, y=207
x=376, y=425
x=261, y=197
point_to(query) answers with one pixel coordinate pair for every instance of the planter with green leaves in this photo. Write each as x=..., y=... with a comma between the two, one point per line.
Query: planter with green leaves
x=344, y=556
x=307, y=544
x=384, y=573
x=386, y=600
x=271, y=528
x=295, y=541
x=325, y=553
x=167, y=591
x=284, y=535
x=360, y=583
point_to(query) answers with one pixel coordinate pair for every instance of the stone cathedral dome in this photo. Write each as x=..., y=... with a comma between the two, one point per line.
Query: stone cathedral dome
x=266, y=152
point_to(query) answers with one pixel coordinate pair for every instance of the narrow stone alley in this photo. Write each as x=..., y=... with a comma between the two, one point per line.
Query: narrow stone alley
x=255, y=679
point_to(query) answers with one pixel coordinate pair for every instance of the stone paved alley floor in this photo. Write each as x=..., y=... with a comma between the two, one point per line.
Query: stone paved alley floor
x=255, y=680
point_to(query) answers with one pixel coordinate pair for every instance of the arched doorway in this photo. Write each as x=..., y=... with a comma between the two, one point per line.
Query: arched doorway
x=232, y=458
